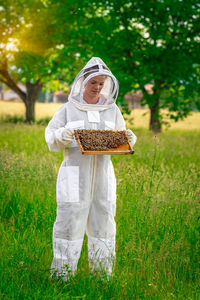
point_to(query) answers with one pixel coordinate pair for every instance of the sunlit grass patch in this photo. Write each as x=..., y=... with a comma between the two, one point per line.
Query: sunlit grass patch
x=139, y=118
x=42, y=110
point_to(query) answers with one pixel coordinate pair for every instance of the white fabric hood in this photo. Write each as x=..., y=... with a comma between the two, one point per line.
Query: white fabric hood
x=109, y=92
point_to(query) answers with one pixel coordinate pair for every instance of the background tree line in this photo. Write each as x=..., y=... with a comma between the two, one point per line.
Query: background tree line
x=45, y=43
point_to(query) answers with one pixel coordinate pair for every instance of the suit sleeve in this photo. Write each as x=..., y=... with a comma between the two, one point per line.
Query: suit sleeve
x=56, y=135
x=120, y=122
x=121, y=125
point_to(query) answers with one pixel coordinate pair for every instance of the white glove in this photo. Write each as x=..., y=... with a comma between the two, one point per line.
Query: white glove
x=131, y=137
x=67, y=135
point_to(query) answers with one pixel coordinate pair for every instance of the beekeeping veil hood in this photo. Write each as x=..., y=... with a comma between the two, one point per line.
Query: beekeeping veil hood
x=109, y=92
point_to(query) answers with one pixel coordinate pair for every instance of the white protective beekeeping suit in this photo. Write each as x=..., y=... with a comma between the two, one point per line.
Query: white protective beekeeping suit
x=86, y=184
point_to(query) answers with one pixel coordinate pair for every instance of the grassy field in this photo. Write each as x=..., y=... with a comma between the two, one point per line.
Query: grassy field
x=158, y=224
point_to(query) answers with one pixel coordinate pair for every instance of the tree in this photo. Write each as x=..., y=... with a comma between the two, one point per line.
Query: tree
x=15, y=62
x=31, y=49
x=149, y=42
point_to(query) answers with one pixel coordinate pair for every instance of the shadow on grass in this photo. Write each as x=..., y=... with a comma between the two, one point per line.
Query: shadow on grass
x=20, y=119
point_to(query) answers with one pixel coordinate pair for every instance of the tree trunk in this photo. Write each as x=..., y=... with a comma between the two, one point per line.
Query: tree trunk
x=155, y=122
x=29, y=97
x=30, y=111
x=32, y=92
x=1, y=92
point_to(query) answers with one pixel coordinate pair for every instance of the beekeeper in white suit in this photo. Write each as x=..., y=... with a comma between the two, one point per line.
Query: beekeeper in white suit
x=86, y=184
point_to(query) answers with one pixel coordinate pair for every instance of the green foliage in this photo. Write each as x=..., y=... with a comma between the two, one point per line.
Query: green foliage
x=31, y=43
x=155, y=42
x=157, y=219
x=22, y=48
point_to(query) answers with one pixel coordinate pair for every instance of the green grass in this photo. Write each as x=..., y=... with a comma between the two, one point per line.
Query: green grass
x=158, y=201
